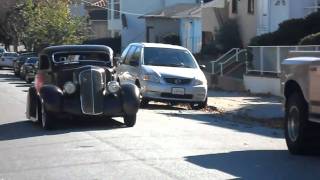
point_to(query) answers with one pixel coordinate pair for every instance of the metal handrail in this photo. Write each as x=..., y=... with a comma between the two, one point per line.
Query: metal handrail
x=228, y=60
x=221, y=57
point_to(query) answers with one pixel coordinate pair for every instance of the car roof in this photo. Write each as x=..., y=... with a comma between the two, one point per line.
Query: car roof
x=160, y=45
x=76, y=48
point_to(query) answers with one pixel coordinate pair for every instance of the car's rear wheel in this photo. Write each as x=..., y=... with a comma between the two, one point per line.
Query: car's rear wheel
x=130, y=120
x=144, y=102
x=46, y=118
x=38, y=113
x=297, y=126
x=199, y=105
x=28, y=80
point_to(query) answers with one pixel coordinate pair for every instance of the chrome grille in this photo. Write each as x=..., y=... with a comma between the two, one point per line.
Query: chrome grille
x=178, y=81
x=91, y=91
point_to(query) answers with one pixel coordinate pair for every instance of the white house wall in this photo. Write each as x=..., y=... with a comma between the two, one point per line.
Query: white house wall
x=162, y=27
x=173, y=2
x=136, y=30
x=247, y=22
x=209, y=20
x=191, y=34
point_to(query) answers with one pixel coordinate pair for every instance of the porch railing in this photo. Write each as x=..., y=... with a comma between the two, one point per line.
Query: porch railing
x=267, y=59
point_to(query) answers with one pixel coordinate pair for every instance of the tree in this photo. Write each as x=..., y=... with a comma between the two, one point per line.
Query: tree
x=49, y=22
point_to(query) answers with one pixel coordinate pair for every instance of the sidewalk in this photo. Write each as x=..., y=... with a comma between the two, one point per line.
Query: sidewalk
x=246, y=106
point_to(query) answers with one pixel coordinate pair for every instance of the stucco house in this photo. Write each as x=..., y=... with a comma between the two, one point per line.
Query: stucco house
x=183, y=20
x=129, y=23
x=256, y=17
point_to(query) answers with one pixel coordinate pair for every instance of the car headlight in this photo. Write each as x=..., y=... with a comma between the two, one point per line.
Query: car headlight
x=69, y=87
x=198, y=82
x=113, y=87
x=151, y=78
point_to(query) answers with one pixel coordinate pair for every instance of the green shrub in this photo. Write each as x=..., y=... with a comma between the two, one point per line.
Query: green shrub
x=171, y=39
x=313, y=39
x=228, y=35
x=290, y=32
x=212, y=49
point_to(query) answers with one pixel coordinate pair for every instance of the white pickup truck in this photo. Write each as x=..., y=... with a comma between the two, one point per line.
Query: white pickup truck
x=301, y=88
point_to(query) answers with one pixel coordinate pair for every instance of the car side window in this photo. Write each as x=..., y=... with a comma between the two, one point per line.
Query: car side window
x=129, y=55
x=44, y=62
x=135, y=59
x=124, y=54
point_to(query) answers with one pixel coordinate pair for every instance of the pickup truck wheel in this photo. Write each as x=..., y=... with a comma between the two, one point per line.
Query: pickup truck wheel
x=296, y=124
x=199, y=105
x=46, y=118
x=130, y=120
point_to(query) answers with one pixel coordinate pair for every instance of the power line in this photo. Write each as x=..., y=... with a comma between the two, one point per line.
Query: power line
x=109, y=9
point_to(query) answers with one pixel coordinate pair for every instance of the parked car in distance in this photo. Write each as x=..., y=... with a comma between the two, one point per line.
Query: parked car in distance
x=163, y=73
x=301, y=89
x=77, y=81
x=30, y=69
x=21, y=60
x=2, y=50
x=7, y=59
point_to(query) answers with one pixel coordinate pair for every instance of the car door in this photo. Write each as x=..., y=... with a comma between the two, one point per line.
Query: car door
x=123, y=71
x=314, y=89
x=134, y=66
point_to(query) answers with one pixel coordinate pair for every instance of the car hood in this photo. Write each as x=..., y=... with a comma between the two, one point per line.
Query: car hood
x=164, y=71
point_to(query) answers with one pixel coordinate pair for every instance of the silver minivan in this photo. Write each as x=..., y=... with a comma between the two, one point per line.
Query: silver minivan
x=163, y=73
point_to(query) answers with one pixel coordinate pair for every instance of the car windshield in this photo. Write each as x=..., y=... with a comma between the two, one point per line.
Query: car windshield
x=10, y=54
x=2, y=50
x=168, y=57
x=32, y=60
x=76, y=57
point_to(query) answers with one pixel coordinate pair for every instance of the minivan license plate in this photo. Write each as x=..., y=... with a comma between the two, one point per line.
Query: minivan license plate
x=178, y=91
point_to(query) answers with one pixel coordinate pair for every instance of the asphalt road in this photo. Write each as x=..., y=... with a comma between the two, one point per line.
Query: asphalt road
x=166, y=143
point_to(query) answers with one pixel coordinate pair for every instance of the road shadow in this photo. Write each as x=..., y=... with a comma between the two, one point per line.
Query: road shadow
x=261, y=164
x=164, y=106
x=225, y=121
x=9, y=77
x=27, y=129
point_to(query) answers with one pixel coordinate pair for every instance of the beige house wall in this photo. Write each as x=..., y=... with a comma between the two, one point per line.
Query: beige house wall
x=100, y=29
x=247, y=22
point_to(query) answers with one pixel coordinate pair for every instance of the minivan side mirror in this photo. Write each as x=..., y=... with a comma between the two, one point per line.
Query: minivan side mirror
x=116, y=61
x=202, y=67
x=134, y=63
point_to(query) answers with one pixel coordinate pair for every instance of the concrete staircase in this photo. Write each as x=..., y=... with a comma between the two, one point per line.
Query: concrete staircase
x=229, y=75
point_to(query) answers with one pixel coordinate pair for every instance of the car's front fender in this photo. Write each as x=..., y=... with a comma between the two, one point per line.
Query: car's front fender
x=130, y=96
x=52, y=97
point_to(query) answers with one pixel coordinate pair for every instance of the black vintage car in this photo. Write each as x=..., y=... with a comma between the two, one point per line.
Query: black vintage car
x=21, y=60
x=29, y=69
x=77, y=81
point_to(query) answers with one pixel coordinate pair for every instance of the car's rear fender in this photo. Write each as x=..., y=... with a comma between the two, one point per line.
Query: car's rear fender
x=31, y=103
x=52, y=97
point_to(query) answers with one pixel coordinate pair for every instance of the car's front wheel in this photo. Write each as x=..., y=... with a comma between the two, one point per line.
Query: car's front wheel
x=199, y=105
x=46, y=118
x=296, y=124
x=130, y=120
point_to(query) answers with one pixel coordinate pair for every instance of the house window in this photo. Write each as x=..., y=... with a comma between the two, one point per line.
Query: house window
x=234, y=6
x=116, y=6
x=251, y=6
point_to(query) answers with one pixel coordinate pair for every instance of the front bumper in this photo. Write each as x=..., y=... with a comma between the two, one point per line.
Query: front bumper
x=164, y=92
